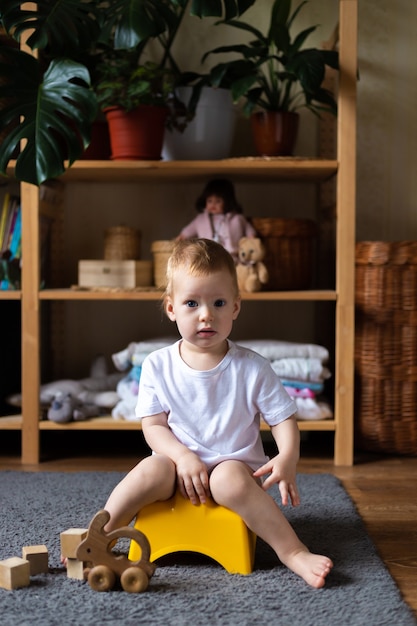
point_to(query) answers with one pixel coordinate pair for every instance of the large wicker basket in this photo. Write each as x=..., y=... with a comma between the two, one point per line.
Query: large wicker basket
x=386, y=346
x=289, y=247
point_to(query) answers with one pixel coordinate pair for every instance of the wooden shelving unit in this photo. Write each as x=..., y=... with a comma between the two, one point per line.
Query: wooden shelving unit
x=273, y=296
x=256, y=169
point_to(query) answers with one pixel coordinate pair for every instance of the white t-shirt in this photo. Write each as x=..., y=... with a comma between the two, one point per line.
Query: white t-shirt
x=215, y=413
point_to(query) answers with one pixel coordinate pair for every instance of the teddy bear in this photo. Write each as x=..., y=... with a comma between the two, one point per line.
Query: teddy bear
x=251, y=271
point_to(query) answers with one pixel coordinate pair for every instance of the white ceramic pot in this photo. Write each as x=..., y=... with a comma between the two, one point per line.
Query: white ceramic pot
x=209, y=135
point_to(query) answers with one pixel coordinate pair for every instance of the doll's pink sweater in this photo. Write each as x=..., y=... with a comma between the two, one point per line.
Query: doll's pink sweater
x=226, y=228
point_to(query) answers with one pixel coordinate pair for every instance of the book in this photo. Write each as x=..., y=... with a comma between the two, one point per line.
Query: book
x=16, y=235
x=10, y=243
x=3, y=218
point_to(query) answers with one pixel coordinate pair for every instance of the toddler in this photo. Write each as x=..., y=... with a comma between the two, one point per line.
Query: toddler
x=200, y=402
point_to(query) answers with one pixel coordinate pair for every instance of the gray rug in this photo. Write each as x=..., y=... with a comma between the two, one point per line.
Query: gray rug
x=190, y=590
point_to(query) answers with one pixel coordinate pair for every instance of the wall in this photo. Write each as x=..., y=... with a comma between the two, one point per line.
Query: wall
x=387, y=121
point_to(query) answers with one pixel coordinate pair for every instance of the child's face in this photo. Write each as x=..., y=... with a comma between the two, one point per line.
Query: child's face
x=215, y=205
x=203, y=307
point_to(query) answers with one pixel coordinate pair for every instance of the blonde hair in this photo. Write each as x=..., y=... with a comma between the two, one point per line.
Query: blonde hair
x=201, y=257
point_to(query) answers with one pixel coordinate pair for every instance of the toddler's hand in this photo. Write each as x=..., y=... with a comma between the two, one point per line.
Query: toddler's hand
x=192, y=478
x=284, y=474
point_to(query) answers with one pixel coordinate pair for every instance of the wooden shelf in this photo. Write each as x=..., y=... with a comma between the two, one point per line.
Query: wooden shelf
x=10, y=294
x=121, y=294
x=96, y=423
x=11, y=422
x=108, y=423
x=253, y=168
x=246, y=168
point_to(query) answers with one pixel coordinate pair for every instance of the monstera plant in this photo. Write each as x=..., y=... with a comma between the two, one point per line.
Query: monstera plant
x=47, y=99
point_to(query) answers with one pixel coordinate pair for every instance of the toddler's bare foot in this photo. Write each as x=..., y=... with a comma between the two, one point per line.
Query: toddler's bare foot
x=313, y=568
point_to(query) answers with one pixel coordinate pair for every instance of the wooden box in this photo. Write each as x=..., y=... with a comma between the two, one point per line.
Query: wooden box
x=126, y=274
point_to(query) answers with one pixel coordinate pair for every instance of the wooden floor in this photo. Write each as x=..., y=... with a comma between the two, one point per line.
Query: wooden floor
x=383, y=488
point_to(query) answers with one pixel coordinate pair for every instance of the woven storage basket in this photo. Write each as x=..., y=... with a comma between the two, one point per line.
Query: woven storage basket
x=161, y=251
x=289, y=245
x=121, y=243
x=386, y=346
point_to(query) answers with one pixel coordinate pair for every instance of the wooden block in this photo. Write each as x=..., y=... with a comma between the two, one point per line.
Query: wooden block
x=75, y=569
x=14, y=573
x=128, y=274
x=70, y=540
x=37, y=557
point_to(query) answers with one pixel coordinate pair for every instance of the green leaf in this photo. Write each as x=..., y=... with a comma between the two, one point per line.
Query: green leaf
x=205, y=8
x=301, y=37
x=242, y=86
x=248, y=52
x=280, y=37
x=280, y=12
x=56, y=110
x=331, y=58
x=66, y=26
x=309, y=67
x=326, y=98
x=214, y=8
x=244, y=26
x=135, y=21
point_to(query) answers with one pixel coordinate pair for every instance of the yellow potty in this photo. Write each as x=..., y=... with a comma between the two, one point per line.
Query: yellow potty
x=177, y=525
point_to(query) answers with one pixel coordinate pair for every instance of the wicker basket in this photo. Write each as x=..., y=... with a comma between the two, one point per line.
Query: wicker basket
x=386, y=347
x=121, y=243
x=289, y=247
x=161, y=251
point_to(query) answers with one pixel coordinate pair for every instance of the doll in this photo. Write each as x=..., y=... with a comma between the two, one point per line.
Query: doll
x=219, y=217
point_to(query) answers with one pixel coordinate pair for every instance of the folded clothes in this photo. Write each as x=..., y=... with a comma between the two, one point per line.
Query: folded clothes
x=301, y=369
x=299, y=392
x=309, y=409
x=136, y=351
x=273, y=349
x=316, y=387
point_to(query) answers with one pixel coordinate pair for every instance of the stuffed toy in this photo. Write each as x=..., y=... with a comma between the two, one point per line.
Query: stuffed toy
x=73, y=400
x=66, y=408
x=76, y=400
x=251, y=271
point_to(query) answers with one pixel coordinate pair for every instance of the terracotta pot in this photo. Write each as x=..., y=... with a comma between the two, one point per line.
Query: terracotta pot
x=137, y=134
x=274, y=132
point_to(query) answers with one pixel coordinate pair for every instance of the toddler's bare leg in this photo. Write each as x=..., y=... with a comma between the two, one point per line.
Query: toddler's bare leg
x=233, y=486
x=152, y=479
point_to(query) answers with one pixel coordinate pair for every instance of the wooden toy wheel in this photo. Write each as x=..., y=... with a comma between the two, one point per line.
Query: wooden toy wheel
x=86, y=572
x=134, y=580
x=101, y=578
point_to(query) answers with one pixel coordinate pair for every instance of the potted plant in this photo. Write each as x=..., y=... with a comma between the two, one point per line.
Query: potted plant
x=276, y=76
x=134, y=99
x=201, y=121
x=50, y=97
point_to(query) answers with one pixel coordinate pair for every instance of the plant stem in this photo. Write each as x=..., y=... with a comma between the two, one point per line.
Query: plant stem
x=168, y=42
